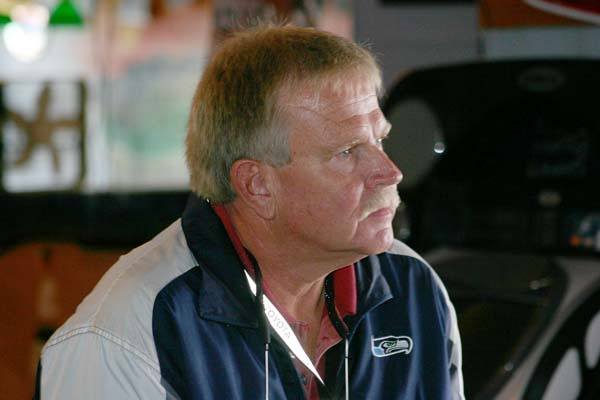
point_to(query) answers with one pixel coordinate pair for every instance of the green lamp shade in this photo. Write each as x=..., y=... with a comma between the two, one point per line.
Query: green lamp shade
x=65, y=13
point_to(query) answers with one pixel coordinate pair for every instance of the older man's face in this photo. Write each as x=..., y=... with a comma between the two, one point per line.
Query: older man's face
x=338, y=194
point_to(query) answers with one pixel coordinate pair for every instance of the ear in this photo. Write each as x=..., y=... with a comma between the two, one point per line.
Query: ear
x=250, y=180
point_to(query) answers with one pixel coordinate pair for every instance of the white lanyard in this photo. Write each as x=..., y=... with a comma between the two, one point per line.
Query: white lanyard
x=284, y=330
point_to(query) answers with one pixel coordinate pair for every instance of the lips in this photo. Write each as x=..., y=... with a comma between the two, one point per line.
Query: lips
x=382, y=212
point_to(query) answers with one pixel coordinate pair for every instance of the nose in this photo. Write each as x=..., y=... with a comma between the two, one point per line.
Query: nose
x=383, y=171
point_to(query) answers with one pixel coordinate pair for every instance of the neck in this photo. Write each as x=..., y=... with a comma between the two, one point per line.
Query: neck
x=294, y=280
x=303, y=301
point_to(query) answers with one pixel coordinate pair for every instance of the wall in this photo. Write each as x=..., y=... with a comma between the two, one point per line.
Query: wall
x=412, y=35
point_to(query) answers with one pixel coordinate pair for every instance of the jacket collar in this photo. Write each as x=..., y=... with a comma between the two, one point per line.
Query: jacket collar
x=226, y=296
x=372, y=287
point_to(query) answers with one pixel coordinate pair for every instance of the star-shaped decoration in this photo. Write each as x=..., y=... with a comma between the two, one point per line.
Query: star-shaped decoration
x=40, y=130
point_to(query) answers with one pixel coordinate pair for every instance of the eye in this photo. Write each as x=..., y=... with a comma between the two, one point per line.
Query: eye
x=347, y=152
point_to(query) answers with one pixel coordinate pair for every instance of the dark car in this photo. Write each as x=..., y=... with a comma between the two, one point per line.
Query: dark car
x=502, y=161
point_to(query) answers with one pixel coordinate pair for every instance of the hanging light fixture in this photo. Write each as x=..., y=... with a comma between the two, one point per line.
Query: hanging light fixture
x=25, y=33
x=26, y=36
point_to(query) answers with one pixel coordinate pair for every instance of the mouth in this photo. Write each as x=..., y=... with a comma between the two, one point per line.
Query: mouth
x=382, y=212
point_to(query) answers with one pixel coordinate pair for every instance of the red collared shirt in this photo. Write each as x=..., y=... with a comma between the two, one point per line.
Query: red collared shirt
x=345, y=302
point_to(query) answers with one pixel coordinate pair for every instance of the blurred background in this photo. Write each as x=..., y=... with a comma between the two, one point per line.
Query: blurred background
x=496, y=128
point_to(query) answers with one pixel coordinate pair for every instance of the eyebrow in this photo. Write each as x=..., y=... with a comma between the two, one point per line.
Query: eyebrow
x=387, y=128
x=334, y=148
x=382, y=126
x=352, y=140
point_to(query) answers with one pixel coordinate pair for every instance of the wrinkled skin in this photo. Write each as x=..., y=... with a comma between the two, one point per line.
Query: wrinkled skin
x=338, y=196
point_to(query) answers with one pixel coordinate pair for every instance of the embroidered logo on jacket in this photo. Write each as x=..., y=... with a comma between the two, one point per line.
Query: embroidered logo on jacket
x=389, y=345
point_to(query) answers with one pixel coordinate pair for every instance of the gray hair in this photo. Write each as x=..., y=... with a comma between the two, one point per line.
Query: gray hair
x=235, y=112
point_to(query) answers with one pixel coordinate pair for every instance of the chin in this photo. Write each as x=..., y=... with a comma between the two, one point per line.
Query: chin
x=379, y=242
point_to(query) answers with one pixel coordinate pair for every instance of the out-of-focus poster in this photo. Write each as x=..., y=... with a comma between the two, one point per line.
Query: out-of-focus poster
x=154, y=56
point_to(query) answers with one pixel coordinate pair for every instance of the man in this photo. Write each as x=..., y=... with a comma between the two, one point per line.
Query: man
x=294, y=198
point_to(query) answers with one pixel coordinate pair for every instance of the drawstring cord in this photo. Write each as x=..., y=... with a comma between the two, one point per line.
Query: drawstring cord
x=262, y=321
x=341, y=329
x=346, y=376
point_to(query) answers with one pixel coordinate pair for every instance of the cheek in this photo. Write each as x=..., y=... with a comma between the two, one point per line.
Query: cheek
x=343, y=201
x=353, y=195
x=325, y=209
x=323, y=195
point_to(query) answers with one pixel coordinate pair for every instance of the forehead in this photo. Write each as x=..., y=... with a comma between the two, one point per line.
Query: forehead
x=322, y=121
x=342, y=104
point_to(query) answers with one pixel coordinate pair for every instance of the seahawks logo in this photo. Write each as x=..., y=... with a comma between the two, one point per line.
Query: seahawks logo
x=390, y=345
